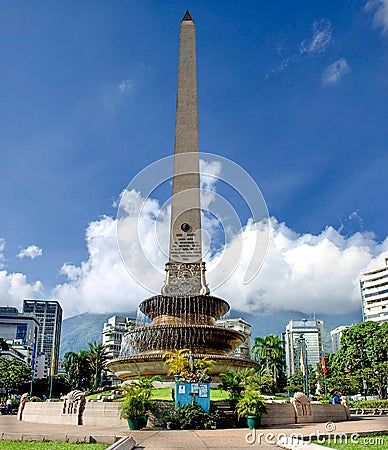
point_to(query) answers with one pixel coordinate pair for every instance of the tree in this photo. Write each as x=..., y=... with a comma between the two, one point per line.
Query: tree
x=268, y=351
x=97, y=357
x=13, y=375
x=41, y=386
x=376, y=378
x=363, y=348
x=78, y=370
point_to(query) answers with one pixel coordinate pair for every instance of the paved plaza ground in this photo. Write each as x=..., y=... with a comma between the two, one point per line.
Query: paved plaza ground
x=237, y=438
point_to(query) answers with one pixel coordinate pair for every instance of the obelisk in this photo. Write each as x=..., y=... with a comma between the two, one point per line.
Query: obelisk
x=185, y=271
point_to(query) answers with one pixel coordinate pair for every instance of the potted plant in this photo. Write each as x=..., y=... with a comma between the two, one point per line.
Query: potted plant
x=137, y=402
x=177, y=362
x=251, y=406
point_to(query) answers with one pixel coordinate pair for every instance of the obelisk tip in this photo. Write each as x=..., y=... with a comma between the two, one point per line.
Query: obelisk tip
x=187, y=17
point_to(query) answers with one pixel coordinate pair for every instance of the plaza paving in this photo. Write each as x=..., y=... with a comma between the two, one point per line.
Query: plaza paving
x=237, y=438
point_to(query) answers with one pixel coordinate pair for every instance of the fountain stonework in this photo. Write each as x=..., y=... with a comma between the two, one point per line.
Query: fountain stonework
x=184, y=315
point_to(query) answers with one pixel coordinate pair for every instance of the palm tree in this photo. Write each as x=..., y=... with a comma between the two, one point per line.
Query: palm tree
x=78, y=370
x=235, y=382
x=176, y=360
x=268, y=351
x=97, y=356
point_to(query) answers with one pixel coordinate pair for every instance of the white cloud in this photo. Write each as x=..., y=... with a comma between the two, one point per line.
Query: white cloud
x=2, y=247
x=322, y=36
x=32, y=252
x=335, y=72
x=318, y=43
x=126, y=86
x=302, y=272
x=380, y=9
x=308, y=273
x=14, y=287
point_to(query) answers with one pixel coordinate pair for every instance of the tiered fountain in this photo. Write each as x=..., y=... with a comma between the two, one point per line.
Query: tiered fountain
x=184, y=315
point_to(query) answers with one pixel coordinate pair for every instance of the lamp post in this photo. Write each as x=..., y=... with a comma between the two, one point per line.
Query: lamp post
x=304, y=363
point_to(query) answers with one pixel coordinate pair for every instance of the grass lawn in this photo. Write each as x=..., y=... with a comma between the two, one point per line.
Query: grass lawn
x=162, y=394
x=166, y=394
x=97, y=394
x=372, y=442
x=16, y=445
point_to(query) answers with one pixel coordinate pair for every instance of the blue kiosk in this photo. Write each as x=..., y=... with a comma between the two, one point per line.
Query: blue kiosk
x=187, y=393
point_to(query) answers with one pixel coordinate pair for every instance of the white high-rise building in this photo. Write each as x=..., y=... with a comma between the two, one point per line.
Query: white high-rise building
x=336, y=335
x=238, y=324
x=49, y=315
x=374, y=293
x=307, y=332
x=113, y=332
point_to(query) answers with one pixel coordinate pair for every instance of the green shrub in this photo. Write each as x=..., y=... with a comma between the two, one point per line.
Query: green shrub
x=368, y=404
x=251, y=404
x=192, y=417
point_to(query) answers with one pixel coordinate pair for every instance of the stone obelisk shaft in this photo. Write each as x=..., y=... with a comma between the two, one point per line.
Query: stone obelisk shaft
x=185, y=270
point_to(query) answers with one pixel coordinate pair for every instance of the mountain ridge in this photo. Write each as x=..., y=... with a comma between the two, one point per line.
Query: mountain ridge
x=79, y=330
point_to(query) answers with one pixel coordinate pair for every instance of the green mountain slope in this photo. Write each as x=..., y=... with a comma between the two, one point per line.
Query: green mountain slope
x=79, y=330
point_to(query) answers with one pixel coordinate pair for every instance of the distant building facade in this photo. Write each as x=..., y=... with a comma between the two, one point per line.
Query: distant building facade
x=16, y=326
x=239, y=324
x=374, y=293
x=113, y=332
x=310, y=331
x=336, y=335
x=49, y=315
x=19, y=332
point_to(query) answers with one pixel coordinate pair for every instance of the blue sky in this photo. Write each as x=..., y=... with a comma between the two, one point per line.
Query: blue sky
x=294, y=92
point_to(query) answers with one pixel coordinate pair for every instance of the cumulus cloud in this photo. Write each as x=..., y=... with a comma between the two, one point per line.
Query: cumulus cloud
x=304, y=272
x=335, y=72
x=380, y=10
x=14, y=287
x=32, y=252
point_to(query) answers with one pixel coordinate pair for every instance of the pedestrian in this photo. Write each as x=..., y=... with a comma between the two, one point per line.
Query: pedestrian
x=9, y=405
x=337, y=399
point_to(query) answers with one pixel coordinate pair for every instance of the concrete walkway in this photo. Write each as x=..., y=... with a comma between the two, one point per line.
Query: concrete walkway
x=237, y=438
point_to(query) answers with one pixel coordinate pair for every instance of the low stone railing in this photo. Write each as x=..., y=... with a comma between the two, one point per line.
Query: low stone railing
x=369, y=411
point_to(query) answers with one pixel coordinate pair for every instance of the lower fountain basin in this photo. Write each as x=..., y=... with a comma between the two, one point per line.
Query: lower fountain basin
x=197, y=338
x=127, y=367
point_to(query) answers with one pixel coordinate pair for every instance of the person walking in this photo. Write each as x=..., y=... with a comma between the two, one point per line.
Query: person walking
x=9, y=405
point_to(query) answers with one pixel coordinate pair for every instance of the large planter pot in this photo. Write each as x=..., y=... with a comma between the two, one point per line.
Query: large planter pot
x=253, y=422
x=136, y=423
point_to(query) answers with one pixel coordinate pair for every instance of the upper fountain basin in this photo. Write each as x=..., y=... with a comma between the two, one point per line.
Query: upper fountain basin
x=189, y=310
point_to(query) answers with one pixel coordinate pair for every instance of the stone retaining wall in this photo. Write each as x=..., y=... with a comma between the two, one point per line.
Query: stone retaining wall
x=279, y=414
x=48, y=412
x=97, y=413
x=108, y=413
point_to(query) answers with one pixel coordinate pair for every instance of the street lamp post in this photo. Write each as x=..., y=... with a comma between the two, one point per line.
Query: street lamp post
x=304, y=363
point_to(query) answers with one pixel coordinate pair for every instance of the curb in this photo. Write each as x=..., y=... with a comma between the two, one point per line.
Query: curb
x=71, y=438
